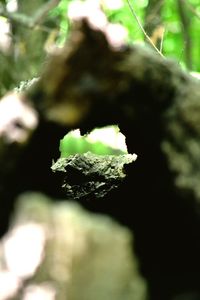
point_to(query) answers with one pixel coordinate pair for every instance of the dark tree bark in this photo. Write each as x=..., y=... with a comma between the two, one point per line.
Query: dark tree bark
x=91, y=83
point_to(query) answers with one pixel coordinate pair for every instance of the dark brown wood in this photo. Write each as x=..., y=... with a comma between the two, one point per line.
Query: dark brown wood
x=90, y=83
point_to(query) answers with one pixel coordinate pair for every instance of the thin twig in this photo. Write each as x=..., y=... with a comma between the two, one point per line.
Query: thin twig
x=141, y=27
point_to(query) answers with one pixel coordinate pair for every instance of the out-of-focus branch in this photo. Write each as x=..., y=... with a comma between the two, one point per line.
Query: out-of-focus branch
x=191, y=8
x=153, y=10
x=41, y=14
x=27, y=21
x=186, y=32
x=16, y=17
x=153, y=24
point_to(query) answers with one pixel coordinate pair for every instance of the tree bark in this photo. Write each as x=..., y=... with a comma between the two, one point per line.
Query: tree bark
x=91, y=83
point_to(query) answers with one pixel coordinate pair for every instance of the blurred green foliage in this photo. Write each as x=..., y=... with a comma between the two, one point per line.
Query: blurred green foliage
x=174, y=43
x=60, y=13
x=72, y=144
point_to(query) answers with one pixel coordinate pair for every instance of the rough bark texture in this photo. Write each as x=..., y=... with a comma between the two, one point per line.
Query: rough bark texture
x=91, y=83
x=88, y=175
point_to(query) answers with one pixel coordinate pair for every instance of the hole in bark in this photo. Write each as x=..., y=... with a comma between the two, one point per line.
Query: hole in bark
x=101, y=141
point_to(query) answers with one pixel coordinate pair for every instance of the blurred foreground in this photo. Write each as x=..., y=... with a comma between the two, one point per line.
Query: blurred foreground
x=60, y=251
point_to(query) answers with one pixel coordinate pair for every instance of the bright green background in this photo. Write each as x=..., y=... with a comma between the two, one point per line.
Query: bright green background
x=173, y=43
